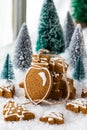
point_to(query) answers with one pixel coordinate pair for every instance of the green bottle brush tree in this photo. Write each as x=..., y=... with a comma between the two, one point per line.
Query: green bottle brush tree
x=7, y=71
x=50, y=34
x=79, y=11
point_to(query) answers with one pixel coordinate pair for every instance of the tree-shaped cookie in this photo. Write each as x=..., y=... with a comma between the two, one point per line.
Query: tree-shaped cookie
x=7, y=90
x=78, y=105
x=79, y=11
x=14, y=112
x=68, y=29
x=7, y=72
x=23, y=49
x=53, y=118
x=50, y=34
x=76, y=47
x=79, y=71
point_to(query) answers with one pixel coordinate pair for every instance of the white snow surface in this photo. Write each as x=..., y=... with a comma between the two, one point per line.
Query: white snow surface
x=72, y=121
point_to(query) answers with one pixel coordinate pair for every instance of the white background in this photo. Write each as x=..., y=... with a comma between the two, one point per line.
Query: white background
x=5, y=22
x=33, y=13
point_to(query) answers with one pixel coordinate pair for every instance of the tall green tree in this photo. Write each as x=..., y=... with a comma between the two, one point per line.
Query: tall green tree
x=79, y=71
x=50, y=34
x=79, y=10
x=7, y=72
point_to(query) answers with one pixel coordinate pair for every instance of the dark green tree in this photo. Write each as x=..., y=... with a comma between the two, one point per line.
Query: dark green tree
x=79, y=71
x=79, y=10
x=7, y=72
x=50, y=34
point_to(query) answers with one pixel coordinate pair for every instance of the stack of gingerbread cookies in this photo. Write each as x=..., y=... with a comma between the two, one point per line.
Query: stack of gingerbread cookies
x=46, y=78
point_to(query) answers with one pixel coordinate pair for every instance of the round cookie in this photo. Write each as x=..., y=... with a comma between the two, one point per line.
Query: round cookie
x=38, y=84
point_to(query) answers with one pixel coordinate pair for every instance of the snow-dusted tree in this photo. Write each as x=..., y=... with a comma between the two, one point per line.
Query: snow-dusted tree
x=23, y=50
x=7, y=72
x=50, y=34
x=79, y=71
x=68, y=29
x=76, y=47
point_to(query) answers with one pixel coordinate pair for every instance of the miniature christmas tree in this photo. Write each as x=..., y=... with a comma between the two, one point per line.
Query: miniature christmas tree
x=79, y=71
x=50, y=34
x=79, y=11
x=76, y=45
x=7, y=72
x=23, y=49
x=68, y=29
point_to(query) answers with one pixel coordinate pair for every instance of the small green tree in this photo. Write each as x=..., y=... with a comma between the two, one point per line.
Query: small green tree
x=79, y=71
x=7, y=72
x=50, y=34
x=79, y=10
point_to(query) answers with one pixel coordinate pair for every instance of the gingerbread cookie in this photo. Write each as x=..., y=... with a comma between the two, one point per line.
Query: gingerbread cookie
x=78, y=105
x=21, y=84
x=42, y=61
x=55, y=95
x=38, y=83
x=56, y=92
x=1, y=91
x=58, y=65
x=72, y=88
x=84, y=93
x=53, y=118
x=57, y=77
x=7, y=90
x=42, y=58
x=59, y=89
x=13, y=112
